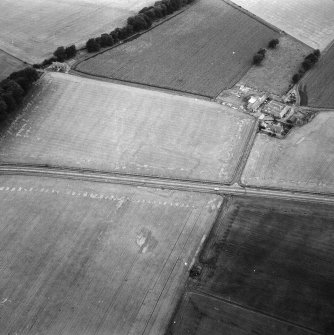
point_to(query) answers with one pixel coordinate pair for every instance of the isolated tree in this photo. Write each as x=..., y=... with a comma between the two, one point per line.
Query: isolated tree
x=316, y=53
x=106, y=40
x=262, y=51
x=114, y=35
x=307, y=64
x=258, y=58
x=92, y=45
x=295, y=78
x=151, y=14
x=273, y=43
x=70, y=51
x=60, y=54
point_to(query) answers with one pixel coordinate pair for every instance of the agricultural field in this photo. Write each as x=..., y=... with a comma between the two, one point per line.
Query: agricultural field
x=193, y=52
x=9, y=64
x=280, y=64
x=307, y=20
x=303, y=161
x=32, y=30
x=87, y=258
x=269, y=257
x=318, y=85
x=200, y=314
x=83, y=123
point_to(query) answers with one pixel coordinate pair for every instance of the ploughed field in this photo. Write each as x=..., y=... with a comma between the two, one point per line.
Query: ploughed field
x=204, y=50
x=303, y=161
x=266, y=268
x=32, y=30
x=92, y=258
x=9, y=64
x=280, y=64
x=84, y=123
x=318, y=85
x=307, y=20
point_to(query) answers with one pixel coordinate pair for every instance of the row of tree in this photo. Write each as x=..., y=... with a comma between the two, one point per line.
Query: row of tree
x=309, y=61
x=60, y=55
x=142, y=21
x=14, y=88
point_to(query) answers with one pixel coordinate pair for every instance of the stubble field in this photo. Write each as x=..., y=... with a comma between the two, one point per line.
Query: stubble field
x=32, y=30
x=307, y=20
x=9, y=64
x=319, y=83
x=83, y=123
x=204, y=50
x=303, y=161
x=269, y=257
x=90, y=258
x=275, y=72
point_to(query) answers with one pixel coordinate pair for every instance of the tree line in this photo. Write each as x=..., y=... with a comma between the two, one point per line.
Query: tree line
x=135, y=24
x=309, y=61
x=142, y=21
x=14, y=88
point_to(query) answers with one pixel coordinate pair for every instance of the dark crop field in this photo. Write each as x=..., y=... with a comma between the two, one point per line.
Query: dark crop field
x=266, y=257
x=204, y=50
x=200, y=314
x=319, y=84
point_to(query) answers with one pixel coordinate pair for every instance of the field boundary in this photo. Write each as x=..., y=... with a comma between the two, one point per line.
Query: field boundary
x=246, y=152
x=88, y=75
x=17, y=58
x=163, y=183
x=128, y=39
x=140, y=85
x=253, y=16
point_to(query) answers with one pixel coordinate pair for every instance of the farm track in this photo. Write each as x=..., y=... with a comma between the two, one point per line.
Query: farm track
x=164, y=183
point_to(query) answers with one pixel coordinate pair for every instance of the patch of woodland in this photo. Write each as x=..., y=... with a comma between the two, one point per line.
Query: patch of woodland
x=13, y=89
x=135, y=24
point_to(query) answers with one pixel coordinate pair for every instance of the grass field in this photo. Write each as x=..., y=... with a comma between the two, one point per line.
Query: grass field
x=303, y=161
x=84, y=123
x=32, y=30
x=92, y=258
x=9, y=64
x=275, y=73
x=193, y=52
x=268, y=256
x=319, y=83
x=307, y=20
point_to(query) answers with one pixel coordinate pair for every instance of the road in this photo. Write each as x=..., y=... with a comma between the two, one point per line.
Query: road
x=156, y=182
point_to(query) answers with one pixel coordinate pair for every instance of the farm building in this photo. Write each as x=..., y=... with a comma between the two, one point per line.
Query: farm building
x=255, y=102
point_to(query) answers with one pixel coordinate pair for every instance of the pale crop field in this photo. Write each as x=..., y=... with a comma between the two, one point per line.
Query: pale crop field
x=92, y=258
x=280, y=64
x=9, y=64
x=83, y=123
x=204, y=50
x=303, y=161
x=32, y=29
x=310, y=21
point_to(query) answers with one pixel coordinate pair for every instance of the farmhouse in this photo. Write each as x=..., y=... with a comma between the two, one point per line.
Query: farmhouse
x=277, y=109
